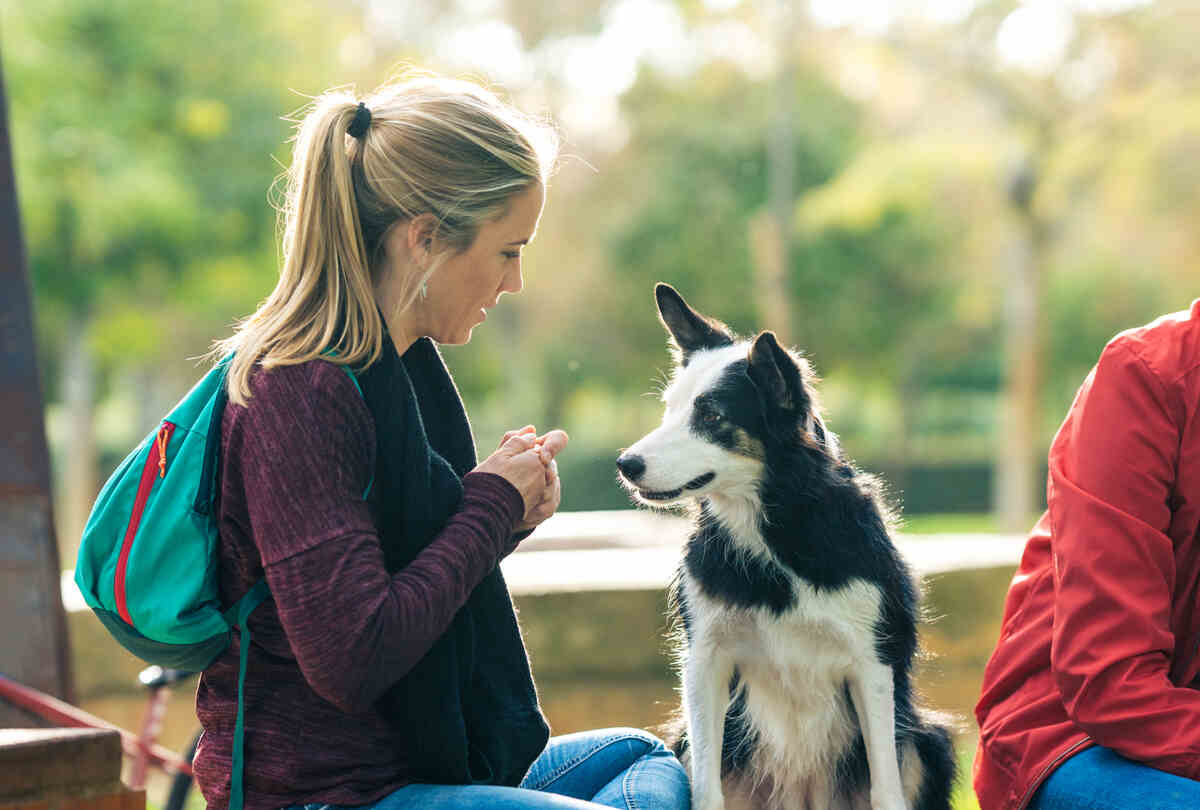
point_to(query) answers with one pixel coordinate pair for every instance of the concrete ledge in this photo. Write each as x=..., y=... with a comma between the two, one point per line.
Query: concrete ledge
x=638, y=549
x=591, y=551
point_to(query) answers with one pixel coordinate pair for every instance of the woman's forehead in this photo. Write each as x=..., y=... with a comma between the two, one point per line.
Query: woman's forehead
x=523, y=213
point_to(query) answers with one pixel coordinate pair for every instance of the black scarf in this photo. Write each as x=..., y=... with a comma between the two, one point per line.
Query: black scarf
x=468, y=708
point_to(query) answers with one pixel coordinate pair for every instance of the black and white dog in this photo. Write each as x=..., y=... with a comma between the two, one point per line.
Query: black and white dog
x=799, y=615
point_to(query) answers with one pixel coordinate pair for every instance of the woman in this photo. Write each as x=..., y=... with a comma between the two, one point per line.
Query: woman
x=1090, y=697
x=387, y=669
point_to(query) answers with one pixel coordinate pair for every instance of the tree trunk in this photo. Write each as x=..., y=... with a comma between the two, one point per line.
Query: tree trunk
x=771, y=236
x=33, y=629
x=1016, y=459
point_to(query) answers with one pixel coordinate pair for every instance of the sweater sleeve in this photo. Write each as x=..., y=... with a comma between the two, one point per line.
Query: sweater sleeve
x=307, y=456
x=1112, y=470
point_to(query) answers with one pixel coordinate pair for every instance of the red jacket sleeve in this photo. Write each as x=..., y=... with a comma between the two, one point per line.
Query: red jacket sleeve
x=1112, y=469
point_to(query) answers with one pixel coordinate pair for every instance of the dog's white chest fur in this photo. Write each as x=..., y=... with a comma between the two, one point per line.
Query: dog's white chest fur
x=793, y=670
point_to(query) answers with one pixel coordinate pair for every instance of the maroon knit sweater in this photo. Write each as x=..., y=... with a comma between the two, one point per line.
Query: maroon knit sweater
x=338, y=630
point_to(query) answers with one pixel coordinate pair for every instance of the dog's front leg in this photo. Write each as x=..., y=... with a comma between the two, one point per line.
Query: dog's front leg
x=871, y=691
x=706, y=677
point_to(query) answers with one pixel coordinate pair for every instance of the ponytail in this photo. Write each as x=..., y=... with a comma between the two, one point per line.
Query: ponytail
x=324, y=298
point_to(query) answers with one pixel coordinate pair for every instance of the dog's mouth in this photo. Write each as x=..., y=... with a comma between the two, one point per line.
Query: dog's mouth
x=672, y=494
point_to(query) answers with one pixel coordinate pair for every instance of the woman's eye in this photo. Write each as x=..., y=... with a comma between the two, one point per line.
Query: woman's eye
x=511, y=254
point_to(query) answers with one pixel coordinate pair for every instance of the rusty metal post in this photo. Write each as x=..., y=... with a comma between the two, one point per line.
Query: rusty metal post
x=33, y=627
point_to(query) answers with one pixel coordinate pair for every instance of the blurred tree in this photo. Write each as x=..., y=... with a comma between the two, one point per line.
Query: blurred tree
x=702, y=151
x=1038, y=114
x=144, y=136
x=771, y=236
x=883, y=276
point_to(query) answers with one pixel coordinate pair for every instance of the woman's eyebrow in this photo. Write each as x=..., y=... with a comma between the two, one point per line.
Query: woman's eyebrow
x=524, y=241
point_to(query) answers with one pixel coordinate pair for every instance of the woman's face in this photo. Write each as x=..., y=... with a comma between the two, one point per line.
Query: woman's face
x=468, y=284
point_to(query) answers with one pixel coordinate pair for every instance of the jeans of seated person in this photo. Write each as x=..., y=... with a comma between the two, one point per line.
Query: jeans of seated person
x=1100, y=779
x=624, y=768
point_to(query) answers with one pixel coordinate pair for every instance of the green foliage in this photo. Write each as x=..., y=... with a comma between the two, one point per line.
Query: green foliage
x=147, y=137
x=144, y=136
x=1091, y=304
x=703, y=147
x=882, y=266
x=862, y=290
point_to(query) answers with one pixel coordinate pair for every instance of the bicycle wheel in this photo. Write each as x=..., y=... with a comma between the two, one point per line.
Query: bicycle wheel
x=181, y=785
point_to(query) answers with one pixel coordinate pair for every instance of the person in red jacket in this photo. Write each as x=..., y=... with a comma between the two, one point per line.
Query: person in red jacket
x=1090, y=698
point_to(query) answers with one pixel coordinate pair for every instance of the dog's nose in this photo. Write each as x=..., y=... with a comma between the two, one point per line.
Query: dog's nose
x=631, y=467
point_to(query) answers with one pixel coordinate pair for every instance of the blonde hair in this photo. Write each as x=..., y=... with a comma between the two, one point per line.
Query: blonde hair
x=436, y=146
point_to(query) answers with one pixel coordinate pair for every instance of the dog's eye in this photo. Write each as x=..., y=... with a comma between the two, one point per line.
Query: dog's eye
x=712, y=417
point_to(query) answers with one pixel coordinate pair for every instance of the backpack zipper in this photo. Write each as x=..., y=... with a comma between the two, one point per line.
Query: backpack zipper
x=156, y=462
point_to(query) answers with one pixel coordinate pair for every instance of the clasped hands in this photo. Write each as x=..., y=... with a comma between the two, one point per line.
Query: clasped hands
x=526, y=460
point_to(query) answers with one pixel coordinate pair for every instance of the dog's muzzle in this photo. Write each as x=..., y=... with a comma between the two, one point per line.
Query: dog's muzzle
x=672, y=494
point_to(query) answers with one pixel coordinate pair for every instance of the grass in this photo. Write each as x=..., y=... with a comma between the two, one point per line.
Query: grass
x=955, y=523
x=963, y=797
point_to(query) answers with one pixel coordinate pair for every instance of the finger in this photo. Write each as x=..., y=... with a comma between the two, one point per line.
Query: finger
x=518, y=443
x=548, y=488
x=550, y=504
x=554, y=442
x=544, y=509
x=508, y=435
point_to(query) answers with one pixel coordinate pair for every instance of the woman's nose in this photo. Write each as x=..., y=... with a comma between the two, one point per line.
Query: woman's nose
x=513, y=282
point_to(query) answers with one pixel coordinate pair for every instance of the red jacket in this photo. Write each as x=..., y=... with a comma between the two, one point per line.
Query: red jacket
x=1100, y=642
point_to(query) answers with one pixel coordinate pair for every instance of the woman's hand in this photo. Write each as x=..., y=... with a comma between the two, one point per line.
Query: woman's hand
x=540, y=503
x=518, y=460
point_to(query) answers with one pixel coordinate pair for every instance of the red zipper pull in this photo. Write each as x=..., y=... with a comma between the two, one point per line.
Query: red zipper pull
x=161, y=441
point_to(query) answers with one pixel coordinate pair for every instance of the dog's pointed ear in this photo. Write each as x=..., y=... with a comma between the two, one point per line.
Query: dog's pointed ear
x=689, y=330
x=777, y=376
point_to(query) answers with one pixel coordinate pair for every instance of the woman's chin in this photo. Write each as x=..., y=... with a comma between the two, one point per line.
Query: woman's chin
x=457, y=338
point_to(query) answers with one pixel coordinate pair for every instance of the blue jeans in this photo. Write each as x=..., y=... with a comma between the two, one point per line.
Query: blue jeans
x=1101, y=779
x=614, y=767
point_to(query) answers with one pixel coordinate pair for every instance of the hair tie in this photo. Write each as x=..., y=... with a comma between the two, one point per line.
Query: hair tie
x=362, y=120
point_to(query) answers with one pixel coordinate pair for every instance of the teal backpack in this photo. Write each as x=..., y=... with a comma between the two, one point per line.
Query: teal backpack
x=147, y=562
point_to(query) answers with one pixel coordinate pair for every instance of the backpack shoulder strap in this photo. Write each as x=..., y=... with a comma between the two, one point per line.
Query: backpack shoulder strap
x=206, y=492
x=237, y=616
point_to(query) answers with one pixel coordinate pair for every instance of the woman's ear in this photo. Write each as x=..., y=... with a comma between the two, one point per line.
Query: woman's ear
x=418, y=237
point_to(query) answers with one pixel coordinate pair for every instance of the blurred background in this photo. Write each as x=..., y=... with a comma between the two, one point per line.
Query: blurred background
x=948, y=205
